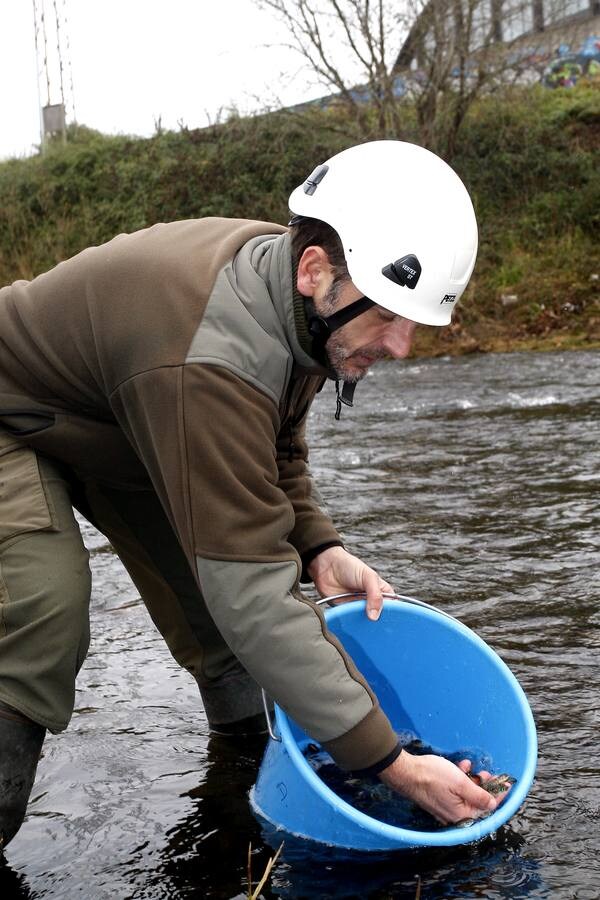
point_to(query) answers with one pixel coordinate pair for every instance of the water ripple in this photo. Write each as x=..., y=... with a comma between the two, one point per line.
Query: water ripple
x=472, y=483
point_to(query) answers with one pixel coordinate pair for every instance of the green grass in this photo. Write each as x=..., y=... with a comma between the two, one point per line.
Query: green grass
x=530, y=158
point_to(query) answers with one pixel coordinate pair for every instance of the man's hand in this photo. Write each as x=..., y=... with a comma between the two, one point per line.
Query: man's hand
x=440, y=787
x=335, y=571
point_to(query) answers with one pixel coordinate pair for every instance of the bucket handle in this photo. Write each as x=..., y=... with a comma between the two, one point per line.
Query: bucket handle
x=358, y=595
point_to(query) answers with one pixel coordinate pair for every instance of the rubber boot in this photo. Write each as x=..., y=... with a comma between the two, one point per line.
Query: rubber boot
x=20, y=748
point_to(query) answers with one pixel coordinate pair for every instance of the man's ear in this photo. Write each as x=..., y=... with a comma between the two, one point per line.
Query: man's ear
x=315, y=273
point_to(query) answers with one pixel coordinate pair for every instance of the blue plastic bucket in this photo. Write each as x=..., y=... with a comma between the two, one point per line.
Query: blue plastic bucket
x=435, y=678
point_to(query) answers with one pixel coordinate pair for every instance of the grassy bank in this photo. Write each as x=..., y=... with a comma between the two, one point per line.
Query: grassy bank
x=530, y=158
x=532, y=162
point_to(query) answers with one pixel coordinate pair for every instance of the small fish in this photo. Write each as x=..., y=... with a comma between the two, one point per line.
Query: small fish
x=495, y=785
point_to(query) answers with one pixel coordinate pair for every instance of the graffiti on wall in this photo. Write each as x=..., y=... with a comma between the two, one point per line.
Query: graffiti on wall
x=569, y=66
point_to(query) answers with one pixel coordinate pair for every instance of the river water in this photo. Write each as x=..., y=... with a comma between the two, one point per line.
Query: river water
x=472, y=483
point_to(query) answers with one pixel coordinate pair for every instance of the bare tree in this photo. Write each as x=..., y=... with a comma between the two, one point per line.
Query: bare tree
x=454, y=52
x=378, y=57
x=352, y=47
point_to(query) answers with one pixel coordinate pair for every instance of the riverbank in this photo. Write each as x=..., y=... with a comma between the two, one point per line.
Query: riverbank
x=553, y=325
x=428, y=345
x=529, y=157
x=550, y=307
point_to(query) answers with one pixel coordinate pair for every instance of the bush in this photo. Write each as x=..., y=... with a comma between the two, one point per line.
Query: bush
x=529, y=156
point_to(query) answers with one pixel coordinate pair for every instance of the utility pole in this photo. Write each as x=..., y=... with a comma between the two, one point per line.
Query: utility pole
x=54, y=71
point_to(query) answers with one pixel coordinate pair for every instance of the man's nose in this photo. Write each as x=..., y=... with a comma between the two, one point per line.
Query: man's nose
x=399, y=337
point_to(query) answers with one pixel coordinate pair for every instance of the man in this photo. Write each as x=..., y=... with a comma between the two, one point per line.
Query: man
x=160, y=385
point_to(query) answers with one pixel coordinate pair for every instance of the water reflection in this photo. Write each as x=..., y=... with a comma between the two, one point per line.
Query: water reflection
x=207, y=849
x=494, y=868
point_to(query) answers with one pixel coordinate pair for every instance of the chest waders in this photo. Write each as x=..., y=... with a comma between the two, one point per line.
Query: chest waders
x=20, y=747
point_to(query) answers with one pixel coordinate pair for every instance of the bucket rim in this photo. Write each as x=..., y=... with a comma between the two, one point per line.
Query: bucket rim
x=453, y=835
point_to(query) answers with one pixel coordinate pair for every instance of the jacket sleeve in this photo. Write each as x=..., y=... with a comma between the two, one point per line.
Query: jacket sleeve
x=208, y=438
x=313, y=530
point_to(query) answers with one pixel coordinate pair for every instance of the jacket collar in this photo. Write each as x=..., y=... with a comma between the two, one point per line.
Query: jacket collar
x=271, y=259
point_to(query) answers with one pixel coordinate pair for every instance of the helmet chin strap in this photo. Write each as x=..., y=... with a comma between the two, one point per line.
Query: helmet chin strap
x=322, y=327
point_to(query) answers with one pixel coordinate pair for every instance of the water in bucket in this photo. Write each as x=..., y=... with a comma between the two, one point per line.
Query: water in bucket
x=375, y=799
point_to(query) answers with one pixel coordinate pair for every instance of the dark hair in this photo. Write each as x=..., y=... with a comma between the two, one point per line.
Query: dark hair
x=307, y=232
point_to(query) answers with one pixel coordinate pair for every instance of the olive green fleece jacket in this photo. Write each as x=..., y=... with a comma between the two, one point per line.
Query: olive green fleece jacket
x=171, y=355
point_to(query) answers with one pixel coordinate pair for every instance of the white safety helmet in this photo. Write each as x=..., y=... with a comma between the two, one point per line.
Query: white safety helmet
x=406, y=223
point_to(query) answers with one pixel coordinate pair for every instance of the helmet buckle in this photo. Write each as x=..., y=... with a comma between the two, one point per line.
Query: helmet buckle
x=318, y=328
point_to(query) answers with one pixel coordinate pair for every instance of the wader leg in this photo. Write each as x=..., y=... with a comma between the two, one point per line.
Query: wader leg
x=138, y=529
x=44, y=625
x=20, y=747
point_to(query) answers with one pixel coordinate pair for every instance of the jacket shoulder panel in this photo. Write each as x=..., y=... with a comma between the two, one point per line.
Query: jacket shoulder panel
x=250, y=345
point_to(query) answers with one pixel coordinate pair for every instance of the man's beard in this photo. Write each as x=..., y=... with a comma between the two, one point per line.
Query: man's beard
x=339, y=358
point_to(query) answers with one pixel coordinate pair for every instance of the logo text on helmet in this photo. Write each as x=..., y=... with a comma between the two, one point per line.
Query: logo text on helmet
x=448, y=298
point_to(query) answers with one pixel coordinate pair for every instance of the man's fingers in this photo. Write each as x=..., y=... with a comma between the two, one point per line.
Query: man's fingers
x=373, y=610
x=374, y=589
x=480, y=799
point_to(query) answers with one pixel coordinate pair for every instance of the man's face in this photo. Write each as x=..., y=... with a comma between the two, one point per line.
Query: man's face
x=371, y=336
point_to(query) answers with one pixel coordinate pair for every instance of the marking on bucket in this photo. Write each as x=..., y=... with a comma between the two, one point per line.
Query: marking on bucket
x=282, y=789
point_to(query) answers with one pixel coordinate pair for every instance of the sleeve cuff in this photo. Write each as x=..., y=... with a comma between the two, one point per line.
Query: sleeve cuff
x=380, y=766
x=309, y=555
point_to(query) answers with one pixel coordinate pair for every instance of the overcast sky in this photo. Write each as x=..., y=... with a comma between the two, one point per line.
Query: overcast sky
x=134, y=61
